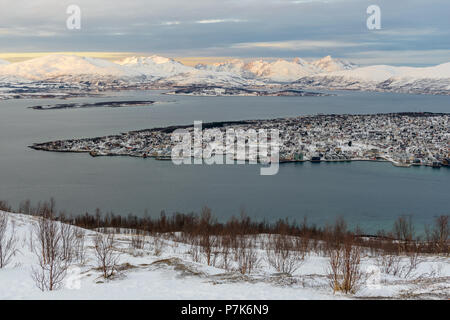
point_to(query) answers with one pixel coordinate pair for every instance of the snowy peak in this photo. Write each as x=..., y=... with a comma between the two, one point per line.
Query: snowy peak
x=281, y=70
x=52, y=66
x=235, y=66
x=328, y=64
x=159, y=68
x=155, y=66
x=429, y=80
x=325, y=73
x=144, y=60
x=379, y=73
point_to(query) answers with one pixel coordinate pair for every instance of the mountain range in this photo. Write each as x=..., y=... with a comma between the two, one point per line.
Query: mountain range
x=325, y=73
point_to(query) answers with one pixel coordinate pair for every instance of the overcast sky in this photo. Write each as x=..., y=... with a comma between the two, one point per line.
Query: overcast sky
x=414, y=32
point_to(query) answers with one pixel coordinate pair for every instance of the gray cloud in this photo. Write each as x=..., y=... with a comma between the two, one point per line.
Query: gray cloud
x=241, y=28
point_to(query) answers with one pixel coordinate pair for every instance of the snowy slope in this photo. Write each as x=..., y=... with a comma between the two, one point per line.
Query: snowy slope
x=52, y=66
x=172, y=274
x=379, y=73
x=234, y=66
x=2, y=62
x=328, y=64
x=155, y=66
x=278, y=71
x=435, y=80
x=281, y=70
x=171, y=71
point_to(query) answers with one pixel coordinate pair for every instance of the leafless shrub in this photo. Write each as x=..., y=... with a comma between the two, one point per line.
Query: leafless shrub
x=225, y=249
x=107, y=257
x=138, y=240
x=52, y=264
x=157, y=244
x=79, y=247
x=414, y=260
x=247, y=257
x=207, y=244
x=4, y=206
x=207, y=240
x=344, y=272
x=389, y=264
x=438, y=236
x=404, y=231
x=195, y=251
x=303, y=241
x=281, y=254
x=334, y=236
x=393, y=264
x=8, y=243
x=68, y=241
x=25, y=207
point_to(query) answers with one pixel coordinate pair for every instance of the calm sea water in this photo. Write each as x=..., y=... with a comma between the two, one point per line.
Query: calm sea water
x=369, y=194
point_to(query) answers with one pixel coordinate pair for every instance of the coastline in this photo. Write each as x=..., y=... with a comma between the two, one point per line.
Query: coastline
x=281, y=161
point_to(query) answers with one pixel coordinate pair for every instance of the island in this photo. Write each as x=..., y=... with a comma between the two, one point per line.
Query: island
x=214, y=91
x=404, y=139
x=109, y=104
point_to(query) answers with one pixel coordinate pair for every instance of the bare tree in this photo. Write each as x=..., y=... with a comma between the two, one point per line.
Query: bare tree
x=107, y=257
x=225, y=244
x=52, y=264
x=207, y=239
x=247, y=257
x=439, y=235
x=4, y=206
x=195, y=250
x=68, y=241
x=344, y=268
x=404, y=231
x=25, y=207
x=79, y=247
x=8, y=243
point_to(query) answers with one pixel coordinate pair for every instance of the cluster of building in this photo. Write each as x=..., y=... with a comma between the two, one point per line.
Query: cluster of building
x=405, y=139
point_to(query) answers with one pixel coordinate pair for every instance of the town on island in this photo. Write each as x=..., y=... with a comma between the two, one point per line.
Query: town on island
x=404, y=139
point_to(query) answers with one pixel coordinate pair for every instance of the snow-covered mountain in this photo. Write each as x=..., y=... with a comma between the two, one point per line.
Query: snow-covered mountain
x=53, y=66
x=328, y=64
x=235, y=66
x=434, y=79
x=280, y=70
x=166, y=70
x=325, y=73
x=155, y=67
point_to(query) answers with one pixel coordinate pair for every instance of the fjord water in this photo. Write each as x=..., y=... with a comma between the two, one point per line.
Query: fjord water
x=369, y=194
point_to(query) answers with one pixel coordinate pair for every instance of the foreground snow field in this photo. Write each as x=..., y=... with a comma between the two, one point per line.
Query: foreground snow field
x=171, y=274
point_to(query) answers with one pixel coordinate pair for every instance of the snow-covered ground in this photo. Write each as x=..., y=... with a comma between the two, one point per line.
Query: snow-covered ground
x=171, y=274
